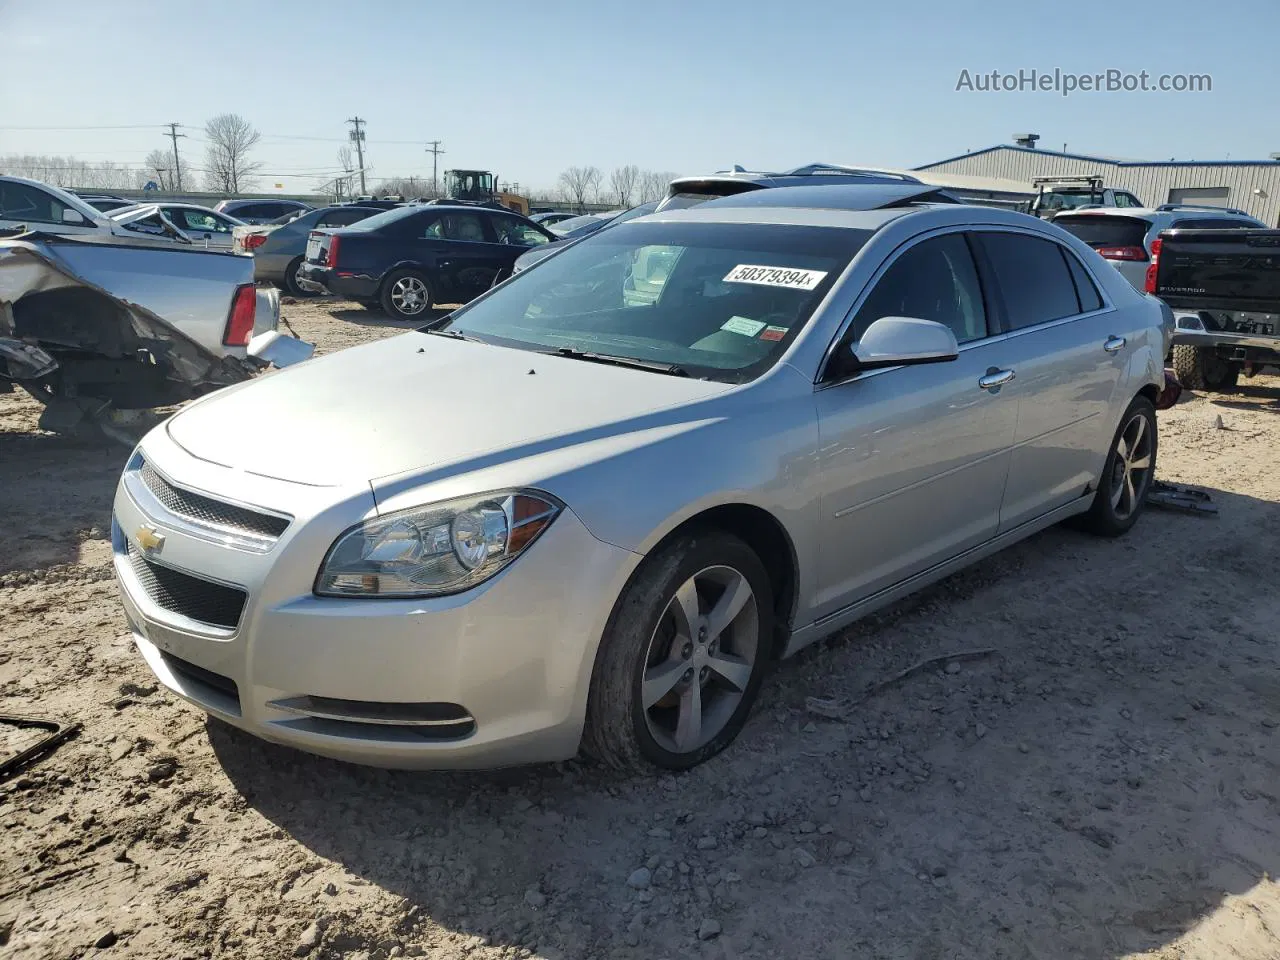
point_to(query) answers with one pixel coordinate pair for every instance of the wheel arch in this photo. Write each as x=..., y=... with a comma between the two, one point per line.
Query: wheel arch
x=415, y=265
x=768, y=537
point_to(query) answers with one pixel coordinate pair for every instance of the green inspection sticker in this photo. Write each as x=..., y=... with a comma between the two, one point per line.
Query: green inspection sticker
x=744, y=326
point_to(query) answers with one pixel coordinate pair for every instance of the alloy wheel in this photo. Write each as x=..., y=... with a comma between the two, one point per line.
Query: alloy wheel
x=409, y=296
x=700, y=659
x=1131, y=471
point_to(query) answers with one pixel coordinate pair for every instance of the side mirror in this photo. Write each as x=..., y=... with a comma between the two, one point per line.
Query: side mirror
x=72, y=216
x=899, y=341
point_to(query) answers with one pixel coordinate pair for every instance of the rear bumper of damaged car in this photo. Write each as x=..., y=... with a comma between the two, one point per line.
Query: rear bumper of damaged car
x=121, y=330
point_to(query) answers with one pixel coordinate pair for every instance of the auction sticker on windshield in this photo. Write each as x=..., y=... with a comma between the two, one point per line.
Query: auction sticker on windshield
x=744, y=326
x=793, y=278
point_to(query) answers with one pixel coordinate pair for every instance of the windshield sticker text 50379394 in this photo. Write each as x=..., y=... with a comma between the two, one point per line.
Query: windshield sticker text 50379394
x=793, y=278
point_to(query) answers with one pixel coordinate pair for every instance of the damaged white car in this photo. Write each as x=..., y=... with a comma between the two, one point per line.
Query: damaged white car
x=101, y=333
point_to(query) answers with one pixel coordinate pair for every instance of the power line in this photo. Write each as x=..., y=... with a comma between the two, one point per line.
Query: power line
x=128, y=126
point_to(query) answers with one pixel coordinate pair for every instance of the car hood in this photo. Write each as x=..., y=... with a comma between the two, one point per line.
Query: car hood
x=416, y=401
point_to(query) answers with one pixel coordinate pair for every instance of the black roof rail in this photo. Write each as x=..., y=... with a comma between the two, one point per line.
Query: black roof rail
x=810, y=169
x=1202, y=206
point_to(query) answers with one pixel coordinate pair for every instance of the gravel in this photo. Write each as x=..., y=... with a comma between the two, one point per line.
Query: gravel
x=1114, y=835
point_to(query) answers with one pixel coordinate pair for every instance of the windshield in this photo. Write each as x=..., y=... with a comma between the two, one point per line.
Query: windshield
x=1068, y=201
x=720, y=301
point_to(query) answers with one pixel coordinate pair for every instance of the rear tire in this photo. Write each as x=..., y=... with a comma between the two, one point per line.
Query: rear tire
x=670, y=641
x=1127, y=474
x=406, y=295
x=291, y=278
x=1198, y=368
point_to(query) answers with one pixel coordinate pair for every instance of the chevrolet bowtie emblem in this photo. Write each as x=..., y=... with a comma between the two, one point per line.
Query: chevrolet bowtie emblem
x=149, y=538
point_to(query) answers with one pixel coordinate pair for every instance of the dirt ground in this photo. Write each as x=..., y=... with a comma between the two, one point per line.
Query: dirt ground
x=1104, y=785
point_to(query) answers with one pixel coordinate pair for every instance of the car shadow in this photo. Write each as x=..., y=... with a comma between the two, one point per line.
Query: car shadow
x=59, y=494
x=1118, y=789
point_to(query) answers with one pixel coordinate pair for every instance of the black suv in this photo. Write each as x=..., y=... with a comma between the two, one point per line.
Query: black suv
x=410, y=258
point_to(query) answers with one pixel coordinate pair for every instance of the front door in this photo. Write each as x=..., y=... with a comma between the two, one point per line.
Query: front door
x=913, y=459
x=204, y=227
x=1069, y=365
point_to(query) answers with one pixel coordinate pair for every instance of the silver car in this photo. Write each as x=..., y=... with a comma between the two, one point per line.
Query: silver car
x=589, y=509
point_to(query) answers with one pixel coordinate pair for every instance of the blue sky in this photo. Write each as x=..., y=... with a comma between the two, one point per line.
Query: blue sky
x=527, y=89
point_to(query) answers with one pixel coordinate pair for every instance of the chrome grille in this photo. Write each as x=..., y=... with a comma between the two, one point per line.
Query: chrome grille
x=210, y=512
x=188, y=596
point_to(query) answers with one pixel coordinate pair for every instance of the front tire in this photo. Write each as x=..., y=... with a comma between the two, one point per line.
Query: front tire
x=1127, y=474
x=406, y=295
x=683, y=656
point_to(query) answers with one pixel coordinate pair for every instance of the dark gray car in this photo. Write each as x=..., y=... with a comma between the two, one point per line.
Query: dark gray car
x=279, y=249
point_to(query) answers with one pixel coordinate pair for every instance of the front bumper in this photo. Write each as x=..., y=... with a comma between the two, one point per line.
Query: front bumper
x=492, y=677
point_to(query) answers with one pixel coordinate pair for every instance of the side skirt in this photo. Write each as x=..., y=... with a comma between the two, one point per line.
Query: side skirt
x=840, y=619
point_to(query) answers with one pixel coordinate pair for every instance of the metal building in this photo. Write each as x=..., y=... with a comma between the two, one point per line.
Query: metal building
x=1250, y=185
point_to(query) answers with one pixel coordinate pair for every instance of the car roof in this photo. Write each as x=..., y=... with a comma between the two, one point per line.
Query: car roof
x=836, y=196
x=1152, y=212
x=942, y=214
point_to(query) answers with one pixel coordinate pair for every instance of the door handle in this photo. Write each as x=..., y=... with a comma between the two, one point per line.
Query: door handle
x=995, y=379
x=1114, y=344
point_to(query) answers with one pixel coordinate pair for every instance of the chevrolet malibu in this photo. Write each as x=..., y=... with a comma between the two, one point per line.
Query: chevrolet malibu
x=589, y=509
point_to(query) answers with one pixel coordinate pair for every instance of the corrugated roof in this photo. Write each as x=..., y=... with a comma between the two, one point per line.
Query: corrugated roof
x=1099, y=159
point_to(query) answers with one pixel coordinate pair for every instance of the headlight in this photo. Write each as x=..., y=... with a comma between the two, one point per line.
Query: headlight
x=437, y=549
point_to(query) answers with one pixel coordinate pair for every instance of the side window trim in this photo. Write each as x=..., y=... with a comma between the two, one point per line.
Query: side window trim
x=838, y=338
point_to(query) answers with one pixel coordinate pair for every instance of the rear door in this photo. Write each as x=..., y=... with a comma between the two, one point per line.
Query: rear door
x=1068, y=356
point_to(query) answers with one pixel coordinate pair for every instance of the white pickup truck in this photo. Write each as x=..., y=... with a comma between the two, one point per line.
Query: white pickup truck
x=103, y=332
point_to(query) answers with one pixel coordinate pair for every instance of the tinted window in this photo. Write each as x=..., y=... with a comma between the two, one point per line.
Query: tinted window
x=457, y=226
x=517, y=232
x=1215, y=223
x=1101, y=230
x=1086, y=291
x=1126, y=200
x=342, y=218
x=717, y=300
x=934, y=280
x=21, y=202
x=388, y=217
x=1032, y=278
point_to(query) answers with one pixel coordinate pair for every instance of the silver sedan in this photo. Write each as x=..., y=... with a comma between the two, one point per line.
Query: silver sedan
x=589, y=509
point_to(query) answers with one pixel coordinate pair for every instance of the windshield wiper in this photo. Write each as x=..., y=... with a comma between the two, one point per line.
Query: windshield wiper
x=454, y=334
x=671, y=369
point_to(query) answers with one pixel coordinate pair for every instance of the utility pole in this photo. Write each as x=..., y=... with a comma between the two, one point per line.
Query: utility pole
x=177, y=167
x=435, y=152
x=357, y=136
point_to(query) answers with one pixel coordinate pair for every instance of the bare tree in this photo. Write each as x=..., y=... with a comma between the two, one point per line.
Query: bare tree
x=346, y=183
x=579, y=183
x=230, y=137
x=69, y=171
x=653, y=184
x=623, y=181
